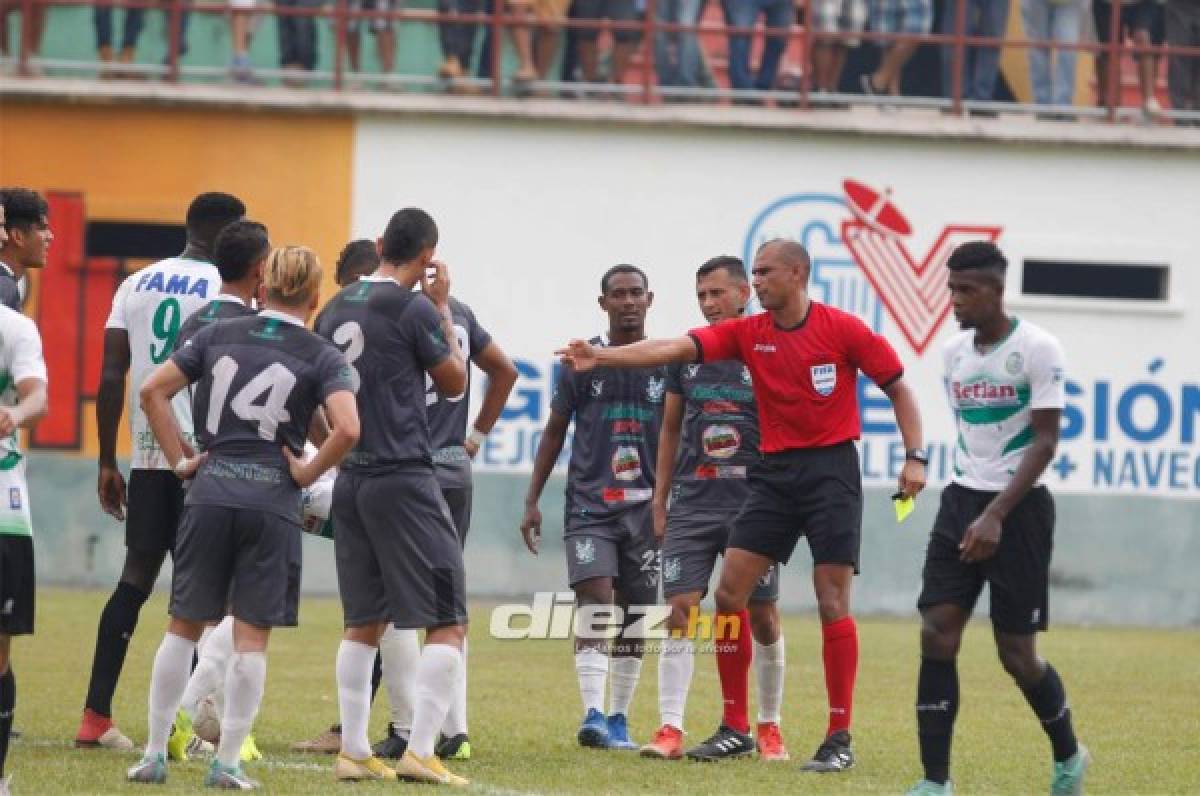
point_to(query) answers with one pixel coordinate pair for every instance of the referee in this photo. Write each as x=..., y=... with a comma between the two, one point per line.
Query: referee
x=804, y=358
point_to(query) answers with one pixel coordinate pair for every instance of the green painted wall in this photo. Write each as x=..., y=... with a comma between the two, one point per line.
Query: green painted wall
x=1118, y=560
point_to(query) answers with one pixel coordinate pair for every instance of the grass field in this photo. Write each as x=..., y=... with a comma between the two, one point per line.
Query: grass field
x=1135, y=693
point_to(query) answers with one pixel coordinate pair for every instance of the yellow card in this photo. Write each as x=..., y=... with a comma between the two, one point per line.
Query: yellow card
x=904, y=506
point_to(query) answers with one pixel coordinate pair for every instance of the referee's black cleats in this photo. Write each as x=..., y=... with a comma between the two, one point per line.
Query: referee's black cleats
x=833, y=755
x=725, y=744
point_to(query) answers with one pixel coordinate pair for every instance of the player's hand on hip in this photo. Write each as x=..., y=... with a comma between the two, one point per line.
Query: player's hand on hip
x=437, y=288
x=187, y=466
x=472, y=447
x=658, y=512
x=110, y=487
x=981, y=539
x=531, y=528
x=299, y=469
x=912, y=477
x=579, y=354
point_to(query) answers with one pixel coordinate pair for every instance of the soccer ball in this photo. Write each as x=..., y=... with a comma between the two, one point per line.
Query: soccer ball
x=207, y=724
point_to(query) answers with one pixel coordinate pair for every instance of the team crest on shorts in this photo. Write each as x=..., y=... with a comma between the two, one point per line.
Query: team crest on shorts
x=824, y=378
x=585, y=551
x=14, y=497
x=672, y=569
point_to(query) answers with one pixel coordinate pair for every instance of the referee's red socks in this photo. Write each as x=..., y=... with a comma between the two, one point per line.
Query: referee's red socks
x=841, y=668
x=734, y=653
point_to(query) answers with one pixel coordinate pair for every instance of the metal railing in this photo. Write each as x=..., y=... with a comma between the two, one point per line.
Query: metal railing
x=499, y=20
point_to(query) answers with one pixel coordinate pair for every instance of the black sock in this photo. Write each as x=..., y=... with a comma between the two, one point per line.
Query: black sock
x=1049, y=703
x=117, y=623
x=937, y=705
x=8, y=699
x=376, y=675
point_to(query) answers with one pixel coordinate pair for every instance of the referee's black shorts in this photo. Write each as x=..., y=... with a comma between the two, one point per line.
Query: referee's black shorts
x=1018, y=575
x=155, y=508
x=812, y=492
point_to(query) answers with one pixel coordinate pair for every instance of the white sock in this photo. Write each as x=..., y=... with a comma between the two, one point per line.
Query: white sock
x=436, y=674
x=675, y=666
x=625, y=674
x=591, y=667
x=215, y=647
x=401, y=651
x=353, y=669
x=244, y=683
x=456, y=717
x=769, y=668
x=168, y=679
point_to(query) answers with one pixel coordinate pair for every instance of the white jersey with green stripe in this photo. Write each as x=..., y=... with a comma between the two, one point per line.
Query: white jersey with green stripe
x=993, y=394
x=151, y=305
x=20, y=360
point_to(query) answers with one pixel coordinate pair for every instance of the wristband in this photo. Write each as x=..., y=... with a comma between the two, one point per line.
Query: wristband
x=917, y=455
x=476, y=436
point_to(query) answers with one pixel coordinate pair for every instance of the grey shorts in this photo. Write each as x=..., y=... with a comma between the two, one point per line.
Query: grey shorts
x=695, y=538
x=458, y=500
x=621, y=547
x=240, y=561
x=398, y=555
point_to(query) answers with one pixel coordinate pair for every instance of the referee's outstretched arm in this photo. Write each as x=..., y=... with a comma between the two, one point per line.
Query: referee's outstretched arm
x=583, y=356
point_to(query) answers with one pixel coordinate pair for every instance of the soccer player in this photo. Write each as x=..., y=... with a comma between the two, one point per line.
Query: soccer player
x=712, y=407
x=24, y=243
x=259, y=380
x=453, y=450
x=804, y=358
x=612, y=553
x=240, y=255
x=398, y=556
x=148, y=310
x=22, y=404
x=995, y=524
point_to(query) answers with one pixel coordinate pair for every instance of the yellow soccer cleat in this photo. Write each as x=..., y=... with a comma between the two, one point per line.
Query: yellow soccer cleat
x=181, y=737
x=250, y=751
x=429, y=770
x=347, y=769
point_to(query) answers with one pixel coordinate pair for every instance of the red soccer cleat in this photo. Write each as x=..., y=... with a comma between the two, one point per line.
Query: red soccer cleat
x=99, y=732
x=667, y=744
x=770, y=742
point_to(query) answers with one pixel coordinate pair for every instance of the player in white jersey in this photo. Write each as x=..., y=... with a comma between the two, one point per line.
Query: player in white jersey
x=22, y=403
x=995, y=524
x=148, y=310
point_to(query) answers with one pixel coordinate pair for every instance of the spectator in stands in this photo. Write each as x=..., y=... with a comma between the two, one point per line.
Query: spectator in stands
x=1142, y=21
x=624, y=41
x=896, y=16
x=829, y=55
x=37, y=26
x=240, y=23
x=381, y=29
x=536, y=45
x=678, y=60
x=1183, y=71
x=130, y=33
x=298, y=39
x=457, y=38
x=1052, y=71
x=981, y=65
x=744, y=14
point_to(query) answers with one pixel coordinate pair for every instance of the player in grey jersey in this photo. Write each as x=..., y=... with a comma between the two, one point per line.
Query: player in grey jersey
x=612, y=554
x=398, y=556
x=260, y=380
x=710, y=420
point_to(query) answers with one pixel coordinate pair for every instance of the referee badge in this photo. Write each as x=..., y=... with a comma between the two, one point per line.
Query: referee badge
x=824, y=378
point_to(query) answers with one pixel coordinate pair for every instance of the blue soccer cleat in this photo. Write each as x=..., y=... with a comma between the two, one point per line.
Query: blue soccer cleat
x=594, y=730
x=618, y=733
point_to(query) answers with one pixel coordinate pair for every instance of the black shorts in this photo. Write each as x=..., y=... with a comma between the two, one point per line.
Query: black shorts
x=815, y=493
x=1017, y=575
x=615, y=10
x=155, y=500
x=243, y=562
x=1147, y=15
x=17, y=585
x=458, y=500
x=398, y=556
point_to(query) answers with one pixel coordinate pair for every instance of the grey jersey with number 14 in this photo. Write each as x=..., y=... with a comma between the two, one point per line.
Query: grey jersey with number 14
x=258, y=381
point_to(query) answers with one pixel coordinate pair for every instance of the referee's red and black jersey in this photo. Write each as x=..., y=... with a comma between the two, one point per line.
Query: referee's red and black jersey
x=805, y=378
